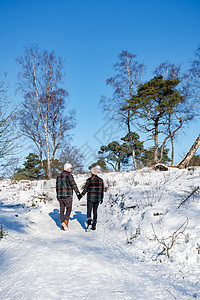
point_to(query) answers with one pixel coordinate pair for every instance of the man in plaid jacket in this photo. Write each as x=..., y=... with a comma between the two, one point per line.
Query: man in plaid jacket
x=65, y=185
x=94, y=188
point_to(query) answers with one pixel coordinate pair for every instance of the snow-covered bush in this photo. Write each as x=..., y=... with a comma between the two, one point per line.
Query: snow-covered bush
x=109, y=183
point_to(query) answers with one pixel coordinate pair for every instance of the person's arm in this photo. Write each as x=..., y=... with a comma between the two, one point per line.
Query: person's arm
x=85, y=188
x=102, y=192
x=56, y=188
x=74, y=185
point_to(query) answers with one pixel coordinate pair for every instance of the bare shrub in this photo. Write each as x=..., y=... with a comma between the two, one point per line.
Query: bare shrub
x=108, y=184
x=173, y=239
x=194, y=193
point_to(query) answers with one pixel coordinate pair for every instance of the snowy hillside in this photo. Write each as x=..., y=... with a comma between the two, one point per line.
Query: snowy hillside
x=145, y=246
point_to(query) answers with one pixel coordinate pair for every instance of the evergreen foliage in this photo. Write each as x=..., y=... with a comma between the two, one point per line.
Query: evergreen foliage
x=100, y=162
x=147, y=158
x=116, y=154
x=132, y=139
x=154, y=102
x=32, y=169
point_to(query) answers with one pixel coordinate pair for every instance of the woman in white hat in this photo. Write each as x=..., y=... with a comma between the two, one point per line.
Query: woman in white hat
x=94, y=187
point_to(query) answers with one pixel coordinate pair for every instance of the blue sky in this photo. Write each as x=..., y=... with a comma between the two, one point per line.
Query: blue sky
x=89, y=35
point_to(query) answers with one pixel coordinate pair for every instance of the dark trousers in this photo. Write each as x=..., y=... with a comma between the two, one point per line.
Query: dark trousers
x=92, y=206
x=65, y=208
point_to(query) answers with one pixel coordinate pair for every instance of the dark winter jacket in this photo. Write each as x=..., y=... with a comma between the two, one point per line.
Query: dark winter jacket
x=94, y=188
x=65, y=185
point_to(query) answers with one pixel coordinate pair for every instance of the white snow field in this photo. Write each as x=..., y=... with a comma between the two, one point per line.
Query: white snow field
x=123, y=259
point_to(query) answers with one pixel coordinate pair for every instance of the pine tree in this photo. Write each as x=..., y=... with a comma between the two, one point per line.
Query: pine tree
x=32, y=168
x=154, y=101
x=116, y=154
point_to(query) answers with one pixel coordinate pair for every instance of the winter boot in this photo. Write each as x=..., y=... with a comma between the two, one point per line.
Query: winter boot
x=65, y=225
x=93, y=226
x=89, y=226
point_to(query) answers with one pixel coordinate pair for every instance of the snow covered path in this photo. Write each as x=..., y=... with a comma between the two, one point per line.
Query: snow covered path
x=40, y=261
x=43, y=262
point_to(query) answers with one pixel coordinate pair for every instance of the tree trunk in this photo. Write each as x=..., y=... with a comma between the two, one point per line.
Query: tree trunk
x=162, y=149
x=119, y=165
x=172, y=157
x=156, y=142
x=131, y=141
x=44, y=121
x=184, y=162
x=48, y=154
x=134, y=160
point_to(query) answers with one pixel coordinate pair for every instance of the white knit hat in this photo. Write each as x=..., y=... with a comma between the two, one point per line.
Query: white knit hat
x=95, y=170
x=67, y=166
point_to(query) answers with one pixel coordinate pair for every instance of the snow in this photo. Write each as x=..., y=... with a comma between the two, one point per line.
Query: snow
x=122, y=259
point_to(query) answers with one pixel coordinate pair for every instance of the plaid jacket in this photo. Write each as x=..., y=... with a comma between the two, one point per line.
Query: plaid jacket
x=65, y=185
x=94, y=188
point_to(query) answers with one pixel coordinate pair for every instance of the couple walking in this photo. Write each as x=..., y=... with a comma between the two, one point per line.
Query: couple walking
x=94, y=187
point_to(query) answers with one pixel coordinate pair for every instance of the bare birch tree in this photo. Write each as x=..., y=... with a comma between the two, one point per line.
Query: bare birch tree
x=7, y=134
x=129, y=75
x=42, y=116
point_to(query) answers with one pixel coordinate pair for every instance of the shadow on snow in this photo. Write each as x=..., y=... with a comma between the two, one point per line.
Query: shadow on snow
x=10, y=217
x=79, y=216
x=55, y=215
